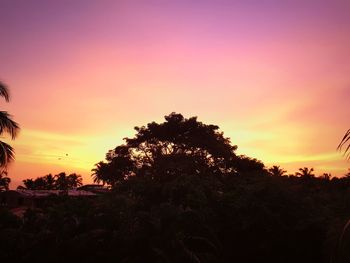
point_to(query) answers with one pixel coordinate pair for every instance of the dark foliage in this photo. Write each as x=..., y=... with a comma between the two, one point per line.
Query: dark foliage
x=9, y=126
x=59, y=181
x=4, y=181
x=175, y=147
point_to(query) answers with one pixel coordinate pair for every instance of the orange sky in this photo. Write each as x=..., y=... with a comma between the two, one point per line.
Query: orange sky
x=273, y=76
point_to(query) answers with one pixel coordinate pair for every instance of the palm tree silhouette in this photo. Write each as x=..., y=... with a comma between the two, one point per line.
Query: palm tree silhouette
x=7, y=125
x=4, y=181
x=305, y=172
x=344, y=141
x=74, y=180
x=49, y=181
x=65, y=182
x=101, y=173
x=276, y=170
x=28, y=184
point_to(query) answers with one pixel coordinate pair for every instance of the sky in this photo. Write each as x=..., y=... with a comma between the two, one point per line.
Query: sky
x=273, y=75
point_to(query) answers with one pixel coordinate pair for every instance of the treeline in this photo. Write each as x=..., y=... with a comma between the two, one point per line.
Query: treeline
x=60, y=181
x=189, y=219
x=181, y=194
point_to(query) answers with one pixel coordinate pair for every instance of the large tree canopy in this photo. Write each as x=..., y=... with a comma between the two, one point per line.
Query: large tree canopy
x=178, y=146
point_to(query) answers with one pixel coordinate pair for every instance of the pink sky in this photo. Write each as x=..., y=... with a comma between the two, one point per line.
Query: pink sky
x=273, y=76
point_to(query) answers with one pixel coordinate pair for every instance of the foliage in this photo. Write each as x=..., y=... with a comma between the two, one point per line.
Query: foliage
x=276, y=171
x=305, y=172
x=4, y=181
x=176, y=146
x=60, y=181
x=7, y=125
x=188, y=219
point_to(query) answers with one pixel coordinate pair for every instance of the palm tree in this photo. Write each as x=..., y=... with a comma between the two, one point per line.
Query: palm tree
x=7, y=125
x=49, y=182
x=74, y=180
x=326, y=176
x=305, y=172
x=344, y=141
x=28, y=184
x=61, y=181
x=65, y=182
x=101, y=173
x=4, y=181
x=276, y=170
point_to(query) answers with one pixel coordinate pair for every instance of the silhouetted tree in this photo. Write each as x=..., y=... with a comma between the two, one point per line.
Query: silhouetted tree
x=40, y=183
x=276, y=170
x=49, y=182
x=102, y=173
x=64, y=182
x=326, y=176
x=345, y=143
x=74, y=180
x=61, y=182
x=177, y=146
x=34, y=184
x=28, y=184
x=7, y=125
x=305, y=172
x=246, y=166
x=4, y=181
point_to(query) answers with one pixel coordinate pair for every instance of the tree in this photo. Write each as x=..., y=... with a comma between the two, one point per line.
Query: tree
x=345, y=141
x=49, y=181
x=40, y=183
x=305, y=172
x=57, y=182
x=243, y=165
x=101, y=173
x=4, y=181
x=28, y=184
x=326, y=176
x=64, y=182
x=178, y=146
x=34, y=184
x=276, y=170
x=7, y=125
x=61, y=182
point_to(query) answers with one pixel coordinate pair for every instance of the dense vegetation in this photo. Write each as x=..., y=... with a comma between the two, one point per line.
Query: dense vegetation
x=9, y=126
x=59, y=181
x=181, y=194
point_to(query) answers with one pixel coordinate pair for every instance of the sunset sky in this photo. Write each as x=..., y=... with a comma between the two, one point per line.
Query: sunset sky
x=274, y=75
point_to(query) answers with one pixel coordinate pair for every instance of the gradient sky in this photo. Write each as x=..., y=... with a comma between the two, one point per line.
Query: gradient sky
x=274, y=75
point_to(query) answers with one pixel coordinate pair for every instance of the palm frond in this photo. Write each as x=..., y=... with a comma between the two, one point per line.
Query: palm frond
x=7, y=154
x=4, y=92
x=343, y=142
x=8, y=125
